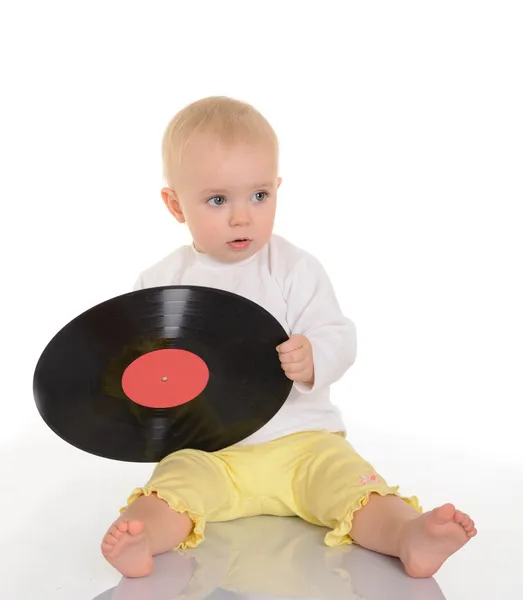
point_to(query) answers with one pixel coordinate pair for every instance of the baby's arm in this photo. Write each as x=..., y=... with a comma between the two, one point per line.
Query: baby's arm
x=313, y=311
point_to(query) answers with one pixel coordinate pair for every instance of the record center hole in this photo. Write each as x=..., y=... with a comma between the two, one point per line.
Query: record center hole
x=164, y=378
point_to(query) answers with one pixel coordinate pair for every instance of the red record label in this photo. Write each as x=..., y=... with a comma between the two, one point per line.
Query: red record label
x=165, y=378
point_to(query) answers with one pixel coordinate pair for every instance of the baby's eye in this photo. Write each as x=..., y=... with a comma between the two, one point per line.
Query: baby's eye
x=218, y=200
x=260, y=196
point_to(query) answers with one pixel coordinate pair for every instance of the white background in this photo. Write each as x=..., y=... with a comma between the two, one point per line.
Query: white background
x=401, y=131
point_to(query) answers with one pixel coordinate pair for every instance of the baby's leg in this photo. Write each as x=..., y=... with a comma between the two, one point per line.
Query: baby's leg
x=197, y=488
x=146, y=528
x=388, y=525
x=337, y=488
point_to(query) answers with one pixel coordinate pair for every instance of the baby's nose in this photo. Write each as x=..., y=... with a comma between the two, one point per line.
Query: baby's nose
x=240, y=216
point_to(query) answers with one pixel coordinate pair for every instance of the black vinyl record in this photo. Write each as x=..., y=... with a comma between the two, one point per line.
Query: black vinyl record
x=158, y=370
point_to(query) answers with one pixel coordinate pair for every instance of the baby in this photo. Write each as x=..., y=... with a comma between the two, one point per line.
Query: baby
x=221, y=165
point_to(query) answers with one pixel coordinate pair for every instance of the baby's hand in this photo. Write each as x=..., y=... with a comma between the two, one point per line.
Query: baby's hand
x=296, y=359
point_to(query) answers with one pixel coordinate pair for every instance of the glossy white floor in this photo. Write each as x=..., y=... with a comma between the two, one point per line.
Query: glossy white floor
x=54, y=518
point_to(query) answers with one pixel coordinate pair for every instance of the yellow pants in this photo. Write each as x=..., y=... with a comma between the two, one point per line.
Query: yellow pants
x=315, y=475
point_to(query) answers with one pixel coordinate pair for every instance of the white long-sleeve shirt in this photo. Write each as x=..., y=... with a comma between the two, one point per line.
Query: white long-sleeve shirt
x=293, y=286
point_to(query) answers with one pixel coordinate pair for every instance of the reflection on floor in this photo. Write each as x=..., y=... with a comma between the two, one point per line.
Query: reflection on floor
x=270, y=558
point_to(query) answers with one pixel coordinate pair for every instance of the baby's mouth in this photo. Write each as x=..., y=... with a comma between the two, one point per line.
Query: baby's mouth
x=239, y=243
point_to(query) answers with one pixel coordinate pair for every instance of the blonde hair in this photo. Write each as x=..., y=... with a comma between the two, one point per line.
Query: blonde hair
x=228, y=119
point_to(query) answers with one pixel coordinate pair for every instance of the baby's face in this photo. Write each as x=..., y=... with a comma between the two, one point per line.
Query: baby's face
x=228, y=193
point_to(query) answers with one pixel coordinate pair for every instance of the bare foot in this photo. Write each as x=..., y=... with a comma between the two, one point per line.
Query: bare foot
x=126, y=547
x=428, y=540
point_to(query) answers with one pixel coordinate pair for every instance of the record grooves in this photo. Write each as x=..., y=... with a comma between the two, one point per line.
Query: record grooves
x=157, y=370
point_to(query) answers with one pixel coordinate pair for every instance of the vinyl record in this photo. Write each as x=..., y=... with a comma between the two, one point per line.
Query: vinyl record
x=157, y=370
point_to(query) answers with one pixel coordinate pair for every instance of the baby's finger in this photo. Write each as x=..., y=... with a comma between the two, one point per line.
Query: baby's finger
x=296, y=376
x=291, y=357
x=293, y=368
x=290, y=346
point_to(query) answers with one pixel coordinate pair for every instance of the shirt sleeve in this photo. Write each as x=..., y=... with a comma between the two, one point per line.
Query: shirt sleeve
x=313, y=311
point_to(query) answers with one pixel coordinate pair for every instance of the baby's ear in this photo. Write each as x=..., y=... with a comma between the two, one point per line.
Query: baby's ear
x=173, y=205
x=278, y=182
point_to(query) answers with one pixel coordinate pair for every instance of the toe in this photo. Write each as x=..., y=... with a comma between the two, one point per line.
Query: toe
x=117, y=533
x=445, y=513
x=135, y=527
x=465, y=522
x=110, y=539
x=121, y=527
x=107, y=548
x=460, y=517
